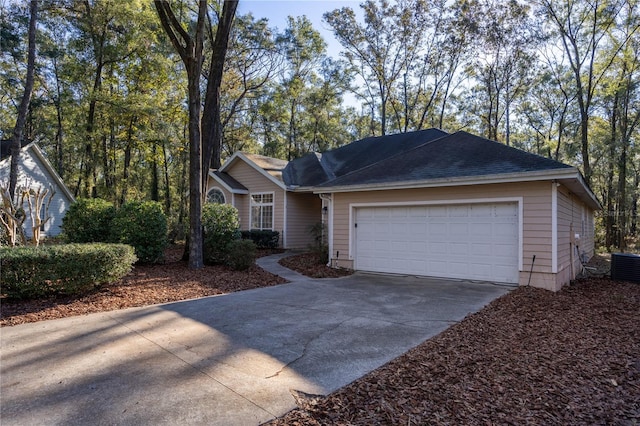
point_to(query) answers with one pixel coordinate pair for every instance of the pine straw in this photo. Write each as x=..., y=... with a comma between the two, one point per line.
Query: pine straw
x=530, y=357
x=145, y=285
x=309, y=264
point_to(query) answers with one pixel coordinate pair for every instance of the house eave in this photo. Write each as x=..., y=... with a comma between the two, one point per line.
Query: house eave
x=296, y=188
x=56, y=177
x=240, y=156
x=569, y=177
x=226, y=186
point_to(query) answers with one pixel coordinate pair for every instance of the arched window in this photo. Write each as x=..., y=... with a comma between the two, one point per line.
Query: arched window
x=215, y=195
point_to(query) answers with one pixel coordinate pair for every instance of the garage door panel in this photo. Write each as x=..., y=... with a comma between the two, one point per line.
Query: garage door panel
x=482, y=210
x=459, y=229
x=458, y=211
x=437, y=211
x=475, y=241
x=505, y=210
x=417, y=212
x=503, y=251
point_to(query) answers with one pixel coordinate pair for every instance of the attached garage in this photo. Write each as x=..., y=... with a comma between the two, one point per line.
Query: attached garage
x=477, y=241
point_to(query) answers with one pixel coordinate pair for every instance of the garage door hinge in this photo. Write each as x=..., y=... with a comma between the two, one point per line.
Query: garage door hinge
x=356, y=225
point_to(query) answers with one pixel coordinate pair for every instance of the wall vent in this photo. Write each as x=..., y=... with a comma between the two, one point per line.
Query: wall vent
x=625, y=267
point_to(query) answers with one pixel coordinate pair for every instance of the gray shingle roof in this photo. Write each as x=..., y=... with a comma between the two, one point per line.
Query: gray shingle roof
x=230, y=181
x=314, y=169
x=5, y=147
x=458, y=155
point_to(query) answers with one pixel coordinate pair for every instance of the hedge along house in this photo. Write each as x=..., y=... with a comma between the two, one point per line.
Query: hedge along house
x=34, y=170
x=430, y=204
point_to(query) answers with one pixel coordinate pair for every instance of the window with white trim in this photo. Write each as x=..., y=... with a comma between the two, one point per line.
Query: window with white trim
x=215, y=195
x=262, y=210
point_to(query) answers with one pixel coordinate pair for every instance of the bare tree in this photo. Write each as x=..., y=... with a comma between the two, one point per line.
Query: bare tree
x=582, y=28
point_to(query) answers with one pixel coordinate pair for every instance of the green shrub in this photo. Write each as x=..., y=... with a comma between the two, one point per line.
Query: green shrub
x=263, y=238
x=30, y=272
x=319, y=248
x=143, y=225
x=241, y=254
x=220, y=223
x=88, y=220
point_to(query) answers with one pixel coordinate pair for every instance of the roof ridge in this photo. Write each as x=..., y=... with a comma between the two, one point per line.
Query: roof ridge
x=521, y=151
x=394, y=155
x=327, y=171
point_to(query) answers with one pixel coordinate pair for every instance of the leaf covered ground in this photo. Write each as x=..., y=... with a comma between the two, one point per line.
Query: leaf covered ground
x=309, y=264
x=531, y=357
x=145, y=285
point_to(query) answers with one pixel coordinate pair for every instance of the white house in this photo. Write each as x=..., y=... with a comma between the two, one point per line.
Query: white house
x=35, y=171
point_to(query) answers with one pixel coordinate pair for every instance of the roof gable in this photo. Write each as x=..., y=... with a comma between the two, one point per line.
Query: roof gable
x=33, y=150
x=270, y=168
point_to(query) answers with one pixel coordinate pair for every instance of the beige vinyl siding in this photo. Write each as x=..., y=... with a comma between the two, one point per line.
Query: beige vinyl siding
x=212, y=183
x=536, y=226
x=256, y=182
x=303, y=212
x=574, y=217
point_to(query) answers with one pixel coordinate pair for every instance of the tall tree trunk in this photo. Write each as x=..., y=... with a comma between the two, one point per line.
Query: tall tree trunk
x=23, y=109
x=167, y=186
x=195, y=171
x=190, y=50
x=610, y=219
x=155, y=180
x=383, y=109
x=59, y=128
x=211, y=123
x=89, y=161
x=634, y=203
x=622, y=194
x=292, y=130
x=127, y=161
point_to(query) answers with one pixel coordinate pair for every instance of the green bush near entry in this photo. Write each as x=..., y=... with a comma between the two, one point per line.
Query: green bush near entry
x=220, y=223
x=143, y=225
x=88, y=220
x=241, y=254
x=32, y=272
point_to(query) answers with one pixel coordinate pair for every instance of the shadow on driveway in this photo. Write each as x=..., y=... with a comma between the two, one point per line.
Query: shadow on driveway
x=228, y=360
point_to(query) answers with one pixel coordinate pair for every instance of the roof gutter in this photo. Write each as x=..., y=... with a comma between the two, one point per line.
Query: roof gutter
x=570, y=177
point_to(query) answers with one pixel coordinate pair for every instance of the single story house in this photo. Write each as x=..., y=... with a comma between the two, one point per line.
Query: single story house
x=35, y=171
x=424, y=203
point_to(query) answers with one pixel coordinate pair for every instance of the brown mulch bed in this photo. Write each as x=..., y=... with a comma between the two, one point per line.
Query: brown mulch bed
x=310, y=265
x=145, y=285
x=531, y=357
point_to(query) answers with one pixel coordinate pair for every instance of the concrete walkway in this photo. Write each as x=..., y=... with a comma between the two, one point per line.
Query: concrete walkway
x=224, y=360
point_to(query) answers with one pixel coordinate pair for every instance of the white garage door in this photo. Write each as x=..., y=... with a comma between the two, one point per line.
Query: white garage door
x=470, y=241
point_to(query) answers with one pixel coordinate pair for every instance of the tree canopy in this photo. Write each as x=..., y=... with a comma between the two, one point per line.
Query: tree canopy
x=111, y=90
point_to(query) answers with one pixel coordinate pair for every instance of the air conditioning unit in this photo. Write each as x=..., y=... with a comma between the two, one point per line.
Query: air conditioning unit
x=625, y=267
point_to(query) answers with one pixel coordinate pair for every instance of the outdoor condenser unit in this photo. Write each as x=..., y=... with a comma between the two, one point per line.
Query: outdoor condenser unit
x=625, y=267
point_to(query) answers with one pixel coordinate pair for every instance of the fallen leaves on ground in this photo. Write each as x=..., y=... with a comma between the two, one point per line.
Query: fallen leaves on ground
x=309, y=264
x=145, y=285
x=531, y=357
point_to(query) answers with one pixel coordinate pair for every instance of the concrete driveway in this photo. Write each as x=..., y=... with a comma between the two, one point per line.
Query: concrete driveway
x=227, y=360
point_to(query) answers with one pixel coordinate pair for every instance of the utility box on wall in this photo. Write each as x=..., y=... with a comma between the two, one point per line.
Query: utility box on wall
x=625, y=267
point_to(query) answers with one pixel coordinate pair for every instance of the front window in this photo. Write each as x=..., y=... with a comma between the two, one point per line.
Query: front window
x=216, y=196
x=262, y=211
